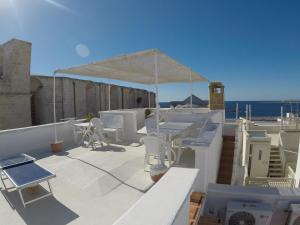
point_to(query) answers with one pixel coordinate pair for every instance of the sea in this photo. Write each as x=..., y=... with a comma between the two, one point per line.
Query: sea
x=262, y=109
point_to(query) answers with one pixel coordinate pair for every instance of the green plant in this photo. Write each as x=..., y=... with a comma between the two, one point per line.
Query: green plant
x=147, y=113
x=89, y=116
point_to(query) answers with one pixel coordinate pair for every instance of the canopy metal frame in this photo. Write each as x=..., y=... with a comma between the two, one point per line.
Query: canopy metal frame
x=87, y=71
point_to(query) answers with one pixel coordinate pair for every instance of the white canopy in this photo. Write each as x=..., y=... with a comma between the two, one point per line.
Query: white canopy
x=146, y=67
x=139, y=68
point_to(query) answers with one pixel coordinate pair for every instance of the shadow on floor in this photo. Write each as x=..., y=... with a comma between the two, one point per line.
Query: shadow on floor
x=44, y=211
x=111, y=175
x=109, y=148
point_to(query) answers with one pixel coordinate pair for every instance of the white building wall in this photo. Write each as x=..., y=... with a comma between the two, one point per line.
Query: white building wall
x=207, y=160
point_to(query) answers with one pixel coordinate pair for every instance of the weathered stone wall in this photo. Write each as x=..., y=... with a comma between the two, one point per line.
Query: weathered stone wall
x=76, y=98
x=15, y=84
x=26, y=100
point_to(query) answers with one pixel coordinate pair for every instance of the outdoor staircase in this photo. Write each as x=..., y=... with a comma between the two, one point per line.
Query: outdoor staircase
x=226, y=160
x=275, y=163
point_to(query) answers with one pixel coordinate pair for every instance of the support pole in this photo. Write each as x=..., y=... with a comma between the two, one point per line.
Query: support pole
x=149, y=99
x=156, y=92
x=246, y=111
x=250, y=112
x=237, y=111
x=191, y=89
x=109, y=97
x=281, y=117
x=54, y=109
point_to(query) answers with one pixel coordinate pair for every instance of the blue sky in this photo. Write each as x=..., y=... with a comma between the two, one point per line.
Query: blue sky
x=252, y=46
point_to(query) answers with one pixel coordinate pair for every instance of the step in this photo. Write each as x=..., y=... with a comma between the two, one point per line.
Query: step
x=274, y=162
x=275, y=159
x=228, y=138
x=275, y=175
x=275, y=166
x=229, y=145
x=274, y=153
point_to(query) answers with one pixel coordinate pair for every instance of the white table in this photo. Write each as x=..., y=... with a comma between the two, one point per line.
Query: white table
x=169, y=128
x=82, y=125
x=173, y=128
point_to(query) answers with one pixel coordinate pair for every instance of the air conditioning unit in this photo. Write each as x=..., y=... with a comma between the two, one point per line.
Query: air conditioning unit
x=247, y=213
x=295, y=214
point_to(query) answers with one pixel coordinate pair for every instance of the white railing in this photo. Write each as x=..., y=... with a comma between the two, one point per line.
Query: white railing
x=282, y=182
x=239, y=170
x=290, y=172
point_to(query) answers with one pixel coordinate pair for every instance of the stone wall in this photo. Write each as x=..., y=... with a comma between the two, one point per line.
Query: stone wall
x=28, y=100
x=15, y=56
x=76, y=98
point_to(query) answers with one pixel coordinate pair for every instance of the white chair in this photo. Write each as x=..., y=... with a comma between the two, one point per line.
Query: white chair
x=77, y=132
x=150, y=124
x=113, y=124
x=96, y=133
x=157, y=148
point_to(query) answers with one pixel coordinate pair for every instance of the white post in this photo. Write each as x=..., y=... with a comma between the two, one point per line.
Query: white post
x=109, y=97
x=156, y=94
x=246, y=111
x=149, y=100
x=191, y=89
x=250, y=113
x=281, y=117
x=237, y=111
x=54, y=110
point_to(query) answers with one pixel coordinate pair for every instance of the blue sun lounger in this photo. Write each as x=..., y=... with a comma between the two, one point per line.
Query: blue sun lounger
x=24, y=172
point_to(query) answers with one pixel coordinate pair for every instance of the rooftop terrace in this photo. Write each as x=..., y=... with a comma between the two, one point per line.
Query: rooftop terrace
x=91, y=187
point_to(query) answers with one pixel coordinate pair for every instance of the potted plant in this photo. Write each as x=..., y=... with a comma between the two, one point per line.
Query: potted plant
x=89, y=116
x=157, y=171
x=147, y=113
x=57, y=146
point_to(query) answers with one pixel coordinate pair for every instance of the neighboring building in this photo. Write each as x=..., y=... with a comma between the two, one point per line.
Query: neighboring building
x=28, y=100
x=267, y=153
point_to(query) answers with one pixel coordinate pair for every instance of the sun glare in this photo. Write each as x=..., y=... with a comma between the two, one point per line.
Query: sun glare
x=58, y=5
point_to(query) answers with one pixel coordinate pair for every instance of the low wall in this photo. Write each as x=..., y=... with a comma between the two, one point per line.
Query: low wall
x=162, y=206
x=33, y=139
x=207, y=161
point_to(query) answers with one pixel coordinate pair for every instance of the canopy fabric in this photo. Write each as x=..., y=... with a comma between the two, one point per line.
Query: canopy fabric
x=139, y=68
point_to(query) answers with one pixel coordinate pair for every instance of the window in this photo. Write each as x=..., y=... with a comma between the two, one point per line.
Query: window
x=217, y=90
x=259, y=154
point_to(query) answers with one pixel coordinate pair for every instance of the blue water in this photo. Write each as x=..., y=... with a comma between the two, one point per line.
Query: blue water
x=259, y=108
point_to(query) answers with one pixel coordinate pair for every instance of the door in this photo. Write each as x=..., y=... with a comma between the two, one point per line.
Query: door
x=259, y=160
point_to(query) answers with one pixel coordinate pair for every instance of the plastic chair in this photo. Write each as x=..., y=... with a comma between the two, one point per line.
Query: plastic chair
x=77, y=132
x=157, y=148
x=96, y=133
x=113, y=123
x=150, y=124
